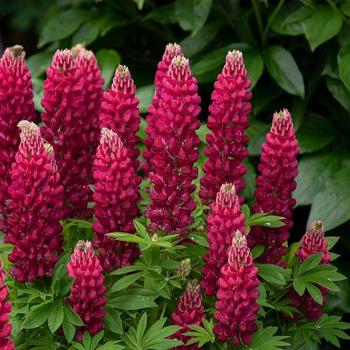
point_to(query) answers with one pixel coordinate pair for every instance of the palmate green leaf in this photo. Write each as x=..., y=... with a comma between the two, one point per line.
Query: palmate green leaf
x=113, y=321
x=331, y=328
x=155, y=338
x=131, y=301
x=125, y=282
x=283, y=69
x=265, y=339
x=315, y=293
x=273, y=274
x=323, y=25
x=127, y=237
x=266, y=220
x=309, y=264
x=56, y=317
x=111, y=345
x=201, y=335
x=38, y=315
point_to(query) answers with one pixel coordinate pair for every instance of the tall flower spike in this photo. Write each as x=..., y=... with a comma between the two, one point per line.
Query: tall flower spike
x=88, y=123
x=274, y=186
x=175, y=150
x=87, y=296
x=5, y=310
x=116, y=197
x=224, y=220
x=236, y=306
x=35, y=208
x=171, y=51
x=227, y=123
x=16, y=103
x=313, y=242
x=189, y=311
x=65, y=113
x=120, y=112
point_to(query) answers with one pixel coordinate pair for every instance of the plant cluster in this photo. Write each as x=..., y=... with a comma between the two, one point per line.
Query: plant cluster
x=103, y=255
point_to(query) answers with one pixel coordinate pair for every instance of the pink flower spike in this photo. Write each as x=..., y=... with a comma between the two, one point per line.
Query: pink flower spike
x=189, y=311
x=274, y=186
x=120, y=113
x=171, y=51
x=116, y=196
x=313, y=242
x=236, y=306
x=227, y=122
x=175, y=144
x=16, y=103
x=224, y=219
x=35, y=208
x=87, y=297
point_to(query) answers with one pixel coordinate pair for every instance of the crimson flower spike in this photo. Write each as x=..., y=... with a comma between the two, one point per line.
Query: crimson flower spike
x=236, y=306
x=116, y=196
x=120, y=112
x=171, y=51
x=175, y=144
x=189, y=311
x=313, y=242
x=64, y=108
x=224, y=219
x=87, y=297
x=16, y=103
x=35, y=208
x=227, y=122
x=274, y=186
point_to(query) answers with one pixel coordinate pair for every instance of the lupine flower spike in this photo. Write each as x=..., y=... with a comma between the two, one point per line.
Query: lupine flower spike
x=92, y=97
x=236, y=304
x=227, y=123
x=312, y=242
x=120, y=112
x=175, y=150
x=274, y=186
x=87, y=297
x=171, y=51
x=116, y=197
x=224, y=220
x=16, y=103
x=5, y=310
x=35, y=208
x=64, y=113
x=189, y=310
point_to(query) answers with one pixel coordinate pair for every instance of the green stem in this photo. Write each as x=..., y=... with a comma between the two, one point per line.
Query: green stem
x=258, y=17
x=271, y=18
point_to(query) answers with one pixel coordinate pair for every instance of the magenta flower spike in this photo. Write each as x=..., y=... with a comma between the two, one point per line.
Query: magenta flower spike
x=16, y=103
x=92, y=99
x=5, y=310
x=65, y=111
x=236, y=306
x=313, y=242
x=175, y=151
x=274, y=186
x=227, y=122
x=35, y=208
x=116, y=197
x=120, y=112
x=171, y=51
x=87, y=297
x=224, y=220
x=189, y=311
